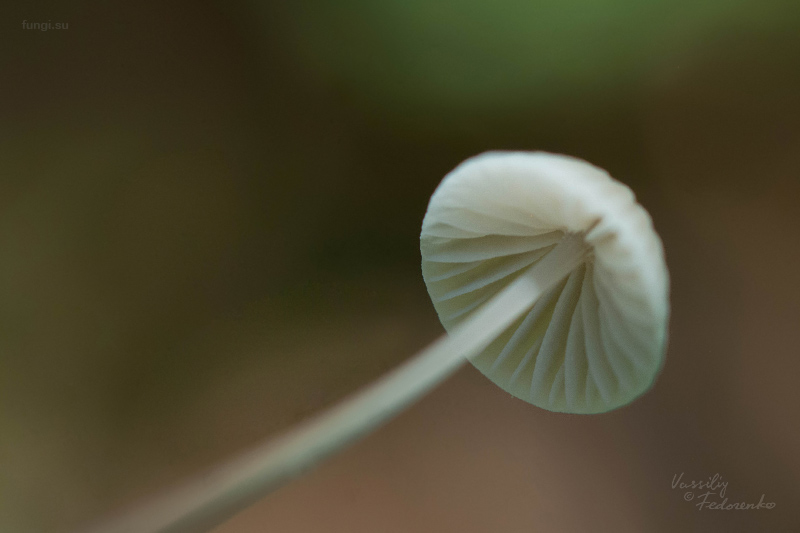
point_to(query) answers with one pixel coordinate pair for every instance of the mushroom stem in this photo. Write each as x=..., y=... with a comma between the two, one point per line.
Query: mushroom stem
x=211, y=499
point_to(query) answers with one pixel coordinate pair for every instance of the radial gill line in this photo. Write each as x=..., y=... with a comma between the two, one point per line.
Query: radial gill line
x=537, y=343
x=488, y=247
x=575, y=365
x=546, y=364
x=594, y=356
x=496, y=274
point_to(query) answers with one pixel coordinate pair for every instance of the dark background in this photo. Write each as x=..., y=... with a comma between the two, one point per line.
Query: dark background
x=209, y=223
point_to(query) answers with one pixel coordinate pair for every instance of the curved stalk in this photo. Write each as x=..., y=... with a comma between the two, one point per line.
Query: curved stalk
x=209, y=500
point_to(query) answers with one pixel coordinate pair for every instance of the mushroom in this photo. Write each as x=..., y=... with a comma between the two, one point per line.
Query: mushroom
x=595, y=335
x=548, y=277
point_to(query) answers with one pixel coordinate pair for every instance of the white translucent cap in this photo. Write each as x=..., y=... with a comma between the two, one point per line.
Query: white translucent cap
x=596, y=340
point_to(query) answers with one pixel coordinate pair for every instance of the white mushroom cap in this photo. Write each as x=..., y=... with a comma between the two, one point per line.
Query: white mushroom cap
x=596, y=340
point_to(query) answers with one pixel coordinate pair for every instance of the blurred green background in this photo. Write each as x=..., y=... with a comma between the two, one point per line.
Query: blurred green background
x=209, y=223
